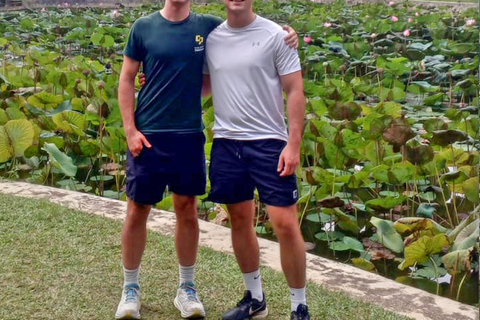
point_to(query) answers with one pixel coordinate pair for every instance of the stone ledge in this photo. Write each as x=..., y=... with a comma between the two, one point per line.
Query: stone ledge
x=366, y=286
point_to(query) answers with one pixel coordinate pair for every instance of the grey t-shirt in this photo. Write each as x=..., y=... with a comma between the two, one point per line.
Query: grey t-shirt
x=245, y=65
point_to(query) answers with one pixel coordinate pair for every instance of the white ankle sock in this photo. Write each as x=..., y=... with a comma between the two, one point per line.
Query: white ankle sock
x=187, y=274
x=298, y=297
x=131, y=276
x=253, y=282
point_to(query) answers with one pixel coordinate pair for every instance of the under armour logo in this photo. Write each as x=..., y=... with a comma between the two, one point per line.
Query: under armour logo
x=255, y=44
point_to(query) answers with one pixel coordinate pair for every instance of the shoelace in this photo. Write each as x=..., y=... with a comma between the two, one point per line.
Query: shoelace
x=130, y=295
x=191, y=293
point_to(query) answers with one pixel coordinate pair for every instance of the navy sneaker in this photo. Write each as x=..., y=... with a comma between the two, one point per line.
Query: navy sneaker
x=301, y=313
x=247, y=308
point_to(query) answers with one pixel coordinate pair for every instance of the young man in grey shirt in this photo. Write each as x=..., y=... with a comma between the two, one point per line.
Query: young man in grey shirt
x=250, y=67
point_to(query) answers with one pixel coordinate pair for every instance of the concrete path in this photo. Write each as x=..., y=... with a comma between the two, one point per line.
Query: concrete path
x=360, y=284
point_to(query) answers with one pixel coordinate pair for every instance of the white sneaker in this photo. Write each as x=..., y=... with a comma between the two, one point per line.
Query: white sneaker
x=129, y=306
x=188, y=302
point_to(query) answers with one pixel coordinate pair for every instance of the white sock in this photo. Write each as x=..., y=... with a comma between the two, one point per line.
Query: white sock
x=298, y=297
x=131, y=276
x=187, y=274
x=253, y=282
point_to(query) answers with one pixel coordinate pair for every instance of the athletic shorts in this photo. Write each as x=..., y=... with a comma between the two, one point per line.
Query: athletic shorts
x=176, y=160
x=238, y=167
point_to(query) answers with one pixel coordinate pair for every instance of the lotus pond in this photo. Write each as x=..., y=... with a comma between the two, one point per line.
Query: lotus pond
x=389, y=176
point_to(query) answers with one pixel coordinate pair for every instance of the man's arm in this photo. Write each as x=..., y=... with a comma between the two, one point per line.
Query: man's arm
x=290, y=158
x=206, y=86
x=126, y=101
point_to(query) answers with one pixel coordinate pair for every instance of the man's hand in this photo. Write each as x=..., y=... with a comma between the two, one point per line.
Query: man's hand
x=291, y=39
x=135, y=141
x=289, y=160
x=142, y=78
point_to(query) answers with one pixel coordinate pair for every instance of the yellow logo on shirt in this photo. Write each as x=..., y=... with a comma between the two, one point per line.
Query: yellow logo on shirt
x=199, y=39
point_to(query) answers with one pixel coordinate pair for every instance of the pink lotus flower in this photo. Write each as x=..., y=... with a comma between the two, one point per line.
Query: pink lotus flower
x=327, y=24
x=394, y=18
x=410, y=20
x=417, y=14
x=391, y=3
x=307, y=39
x=407, y=33
x=43, y=9
x=470, y=22
x=66, y=4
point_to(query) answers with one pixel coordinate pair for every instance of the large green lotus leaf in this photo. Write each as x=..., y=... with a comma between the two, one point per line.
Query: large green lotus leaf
x=14, y=113
x=50, y=137
x=344, y=221
x=463, y=48
x=454, y=177
x=328, y=236
x=353, y=244
x=435, y=99
x=70, y=122
x=457, y=261
x=470, y=188
x=339, y=246
x=89, y=148
x=412, y=224
x=420, y=250
x=401, y=172
x=44, y=100
x=385, y=204
x=3, y=117
x=60, y=160
x=363, y=264
x=446, y=137
x=387, y=234
x=432, y=125
x=467, y=237
x=426, y=210
x=455, y=232
x=413, y=54
x=15, y=137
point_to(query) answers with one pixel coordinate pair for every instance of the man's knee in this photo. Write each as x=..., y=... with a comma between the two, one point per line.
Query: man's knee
x=185, y=206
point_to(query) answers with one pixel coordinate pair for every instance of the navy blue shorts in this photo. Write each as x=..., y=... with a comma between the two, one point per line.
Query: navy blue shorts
x=238, y=167
x=176, y=160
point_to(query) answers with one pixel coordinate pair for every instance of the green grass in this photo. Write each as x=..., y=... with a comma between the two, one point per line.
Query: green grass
x=59, y=263
x=473, y=1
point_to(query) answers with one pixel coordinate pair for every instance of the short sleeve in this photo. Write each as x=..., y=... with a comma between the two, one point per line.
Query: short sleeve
x=286, y=59
x=134, y=48
x=213, y=22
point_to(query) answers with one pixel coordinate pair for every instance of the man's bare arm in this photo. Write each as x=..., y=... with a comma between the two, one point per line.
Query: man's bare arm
x=290, y=157
x=206, y=86
x=126, y=101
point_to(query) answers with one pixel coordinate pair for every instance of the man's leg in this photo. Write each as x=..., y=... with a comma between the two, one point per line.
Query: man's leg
x=134, y=237
x=186, y=243
x=134, y=234
x=244, y=238
x=292, y=250
x=186, y=232
x=247, y=252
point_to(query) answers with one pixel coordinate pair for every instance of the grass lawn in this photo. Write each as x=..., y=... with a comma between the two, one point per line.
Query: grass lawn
x=472, y=1
x=59, y=263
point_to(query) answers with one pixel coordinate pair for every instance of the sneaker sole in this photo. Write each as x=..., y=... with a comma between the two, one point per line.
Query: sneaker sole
x=195, y=314
x=129, y=315
x=260, y=314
